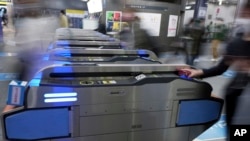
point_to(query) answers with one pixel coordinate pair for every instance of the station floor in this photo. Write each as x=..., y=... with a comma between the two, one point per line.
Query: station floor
x=9, y=62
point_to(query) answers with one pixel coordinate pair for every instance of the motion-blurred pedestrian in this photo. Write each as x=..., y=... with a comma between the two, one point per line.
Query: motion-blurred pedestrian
x=136, y=37
x=237, y=57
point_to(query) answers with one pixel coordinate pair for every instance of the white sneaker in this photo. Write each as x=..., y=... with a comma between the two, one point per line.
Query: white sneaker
x=214, y=59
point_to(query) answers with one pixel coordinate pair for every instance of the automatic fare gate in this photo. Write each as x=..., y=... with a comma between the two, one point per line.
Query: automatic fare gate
x=106, y=102
x=103, y=56
x=85, y=35
x=67, y=38
x=80, y=38
x=93, y=56
x=76, y=32
x=86, y=44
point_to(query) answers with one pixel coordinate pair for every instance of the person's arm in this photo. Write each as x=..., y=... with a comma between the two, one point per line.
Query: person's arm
x=216, y=70
x=8, y=108
x=204, y=73
x=221, y=67
x=224, y=64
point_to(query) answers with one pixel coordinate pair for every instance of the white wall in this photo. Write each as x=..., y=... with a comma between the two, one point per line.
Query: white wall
x=188, y=15
x=225, y=12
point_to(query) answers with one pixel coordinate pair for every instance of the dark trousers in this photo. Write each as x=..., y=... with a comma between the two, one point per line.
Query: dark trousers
x=231, y=101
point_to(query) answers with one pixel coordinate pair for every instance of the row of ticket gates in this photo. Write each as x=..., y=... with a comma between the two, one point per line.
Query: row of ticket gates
x=90, y=89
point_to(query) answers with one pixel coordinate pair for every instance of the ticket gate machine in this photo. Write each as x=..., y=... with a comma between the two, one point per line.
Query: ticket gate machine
x=73, y=32
x=93, y=56
x=87, y=44
x=85, y=35
x=83, y=38
x=54, y=46
x=107, y=102
x=103, y=56
x=68, y=38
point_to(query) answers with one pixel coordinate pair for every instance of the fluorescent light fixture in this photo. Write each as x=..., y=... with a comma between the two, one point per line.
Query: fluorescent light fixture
x=52, y=100
x=50, y=95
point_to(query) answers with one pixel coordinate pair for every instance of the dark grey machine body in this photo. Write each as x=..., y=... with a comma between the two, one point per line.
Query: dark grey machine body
x=86, y=44
x=93, y=56
x=74, y=32
x=113, y=103
x=117, y=56
x=71, y=37
x=81, y=35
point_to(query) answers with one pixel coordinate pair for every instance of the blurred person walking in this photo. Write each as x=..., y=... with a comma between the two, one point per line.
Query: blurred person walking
x=195, y=29
x=133, y=36
x=3, y=22
x=209, y=31
x=219, y=34
x=237, y=57
x=63, y=19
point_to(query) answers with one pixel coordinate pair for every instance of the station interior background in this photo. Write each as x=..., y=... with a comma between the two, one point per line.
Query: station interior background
x=34, y=35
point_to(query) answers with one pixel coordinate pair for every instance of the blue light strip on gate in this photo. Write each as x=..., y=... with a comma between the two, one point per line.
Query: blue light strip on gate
x=50, y=95
x=62, y=42
x=35, y=82
x=62, y=69
x=140, y=51
x=60, y=97
x=50, y=46
x=38, y=75
x=46, y=57
x=65, y=54
x=52, y=100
